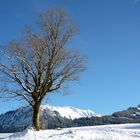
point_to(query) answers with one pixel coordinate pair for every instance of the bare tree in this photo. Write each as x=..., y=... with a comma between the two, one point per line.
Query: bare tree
x=40, y=63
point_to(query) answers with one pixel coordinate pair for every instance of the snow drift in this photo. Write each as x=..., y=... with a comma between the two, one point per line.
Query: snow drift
x=108, y=132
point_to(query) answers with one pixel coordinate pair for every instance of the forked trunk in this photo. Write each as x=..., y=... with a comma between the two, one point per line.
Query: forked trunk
x=36, y=110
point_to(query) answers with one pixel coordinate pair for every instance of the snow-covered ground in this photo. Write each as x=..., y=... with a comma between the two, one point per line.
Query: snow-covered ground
x=108, y=132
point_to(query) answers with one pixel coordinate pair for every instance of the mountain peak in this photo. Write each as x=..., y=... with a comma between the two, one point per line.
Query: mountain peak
x=70, y=112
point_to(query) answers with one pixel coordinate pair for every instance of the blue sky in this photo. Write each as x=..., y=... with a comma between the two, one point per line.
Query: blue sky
x=109, y=36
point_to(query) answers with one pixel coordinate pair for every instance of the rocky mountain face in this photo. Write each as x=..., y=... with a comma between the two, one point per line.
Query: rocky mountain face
x=52, y=117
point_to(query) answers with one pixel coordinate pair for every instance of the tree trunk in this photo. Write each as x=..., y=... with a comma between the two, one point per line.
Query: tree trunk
x=36, y=110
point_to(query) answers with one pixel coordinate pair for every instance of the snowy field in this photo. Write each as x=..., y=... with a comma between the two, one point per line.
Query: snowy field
x=108, y=132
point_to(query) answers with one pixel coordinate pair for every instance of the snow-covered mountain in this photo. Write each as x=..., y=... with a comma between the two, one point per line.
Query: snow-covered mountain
x=69, y=112
x=50, y=117
x=131, y=112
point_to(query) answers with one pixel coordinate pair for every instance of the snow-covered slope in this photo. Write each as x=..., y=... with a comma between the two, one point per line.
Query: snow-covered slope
x=108, y=132
x=70, y=112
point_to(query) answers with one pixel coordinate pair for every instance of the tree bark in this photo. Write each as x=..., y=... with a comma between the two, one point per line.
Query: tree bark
x=36, y=110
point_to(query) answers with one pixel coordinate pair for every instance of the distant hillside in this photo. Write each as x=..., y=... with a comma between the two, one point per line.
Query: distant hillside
x=130, y=115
